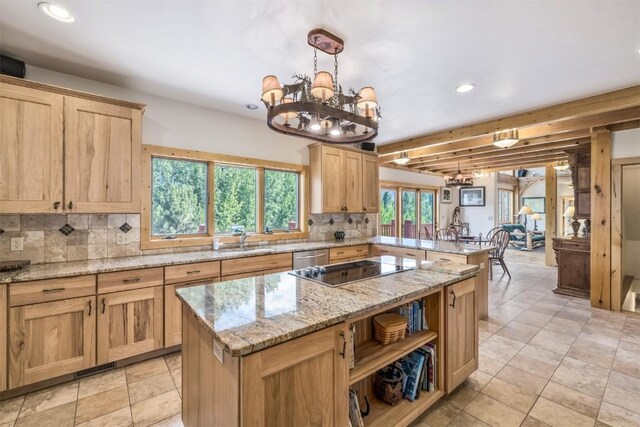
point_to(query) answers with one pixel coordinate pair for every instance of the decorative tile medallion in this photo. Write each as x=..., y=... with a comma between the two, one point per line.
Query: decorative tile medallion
x=366, y=220
x=2, y=231
x=350, y=221
x=66, y=229
x=331, y=221
x=310, y=222
x=125, y=228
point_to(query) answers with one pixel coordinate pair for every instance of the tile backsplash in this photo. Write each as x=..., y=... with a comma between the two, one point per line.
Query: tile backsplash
x=77, y=237
x=72, y=237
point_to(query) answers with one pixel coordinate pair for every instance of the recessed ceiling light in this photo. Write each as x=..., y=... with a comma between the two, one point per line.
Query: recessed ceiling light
x=57, y=12
x=467, y=87
x=251, y=106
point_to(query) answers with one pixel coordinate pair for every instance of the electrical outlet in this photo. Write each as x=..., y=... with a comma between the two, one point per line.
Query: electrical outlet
x=122, y=239
x=16, y=243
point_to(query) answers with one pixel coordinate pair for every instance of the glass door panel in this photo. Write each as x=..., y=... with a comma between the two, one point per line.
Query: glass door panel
x=505, y=206
x=409, y=214
x=427, y=215
x=388, y=212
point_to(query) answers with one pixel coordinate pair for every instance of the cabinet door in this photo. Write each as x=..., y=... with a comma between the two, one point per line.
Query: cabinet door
x=370, y=184
x=129, y=323
x=332, y=180
x=353, y=181
x=300, y=382
x=102, y=157
x=30, y=150
x=51, y=339
x=462, y=333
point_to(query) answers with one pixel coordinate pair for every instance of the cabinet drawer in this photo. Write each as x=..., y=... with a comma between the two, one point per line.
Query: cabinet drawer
x=256, y=273
x=51, y=290
x=191, y=272
x=360, y=251
x=258, y=263
x=435, y=256
x=130, y=279
x=379, y=250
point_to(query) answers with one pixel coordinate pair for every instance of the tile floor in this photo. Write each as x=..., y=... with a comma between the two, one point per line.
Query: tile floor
x=544, y=360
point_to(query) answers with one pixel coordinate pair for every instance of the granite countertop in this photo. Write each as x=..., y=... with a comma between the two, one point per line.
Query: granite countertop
x=248, y=315
x=77, y=268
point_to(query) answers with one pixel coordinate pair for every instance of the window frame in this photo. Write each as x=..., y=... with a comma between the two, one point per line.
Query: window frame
x=148, y=241
x=511, y=207
x=399, y=187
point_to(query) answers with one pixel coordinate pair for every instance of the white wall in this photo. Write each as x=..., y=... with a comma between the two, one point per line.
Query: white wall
x=626, y=143
x=180, y=124
x=446, y=209
x=481, y=219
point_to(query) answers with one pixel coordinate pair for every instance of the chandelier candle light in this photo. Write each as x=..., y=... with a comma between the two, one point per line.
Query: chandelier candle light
x=318, y=108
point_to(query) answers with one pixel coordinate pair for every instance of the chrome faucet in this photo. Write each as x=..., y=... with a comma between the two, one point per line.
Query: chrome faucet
x=243, y=237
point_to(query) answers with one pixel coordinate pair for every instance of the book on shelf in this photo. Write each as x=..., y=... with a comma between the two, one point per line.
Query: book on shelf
x=412, y=366
x=430, y=379
x=416, y=316
x=355, y=417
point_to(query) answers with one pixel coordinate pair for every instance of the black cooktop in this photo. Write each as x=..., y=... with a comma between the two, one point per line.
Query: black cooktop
x=340, y=274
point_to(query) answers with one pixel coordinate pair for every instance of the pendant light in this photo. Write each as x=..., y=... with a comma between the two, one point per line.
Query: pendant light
x=506, y=139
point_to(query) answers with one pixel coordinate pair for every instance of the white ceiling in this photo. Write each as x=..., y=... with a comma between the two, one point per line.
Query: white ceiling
x=519, y=54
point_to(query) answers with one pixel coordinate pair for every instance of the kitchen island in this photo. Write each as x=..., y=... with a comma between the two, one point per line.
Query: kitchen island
x=277, y=349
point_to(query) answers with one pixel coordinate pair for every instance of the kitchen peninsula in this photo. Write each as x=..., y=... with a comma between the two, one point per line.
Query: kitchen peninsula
x=276, y=349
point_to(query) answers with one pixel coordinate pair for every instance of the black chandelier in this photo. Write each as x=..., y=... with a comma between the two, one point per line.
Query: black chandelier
x=459, y=180
x=320, y=109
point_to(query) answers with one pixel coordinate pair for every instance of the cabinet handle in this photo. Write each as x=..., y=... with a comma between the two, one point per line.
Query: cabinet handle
x=193, y=272
x=89, y=308
x=56, y=205
x=411, y=255
x=104, y=305
x=453, y=303
x=132, y=280
x=364, y=209
x=70, y=205
x=46, y=291
x=344, y=346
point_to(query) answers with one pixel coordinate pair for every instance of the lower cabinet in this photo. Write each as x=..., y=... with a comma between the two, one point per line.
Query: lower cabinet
x=129, y=323
x=173, y=312
x=51, y=339
x=462, y=332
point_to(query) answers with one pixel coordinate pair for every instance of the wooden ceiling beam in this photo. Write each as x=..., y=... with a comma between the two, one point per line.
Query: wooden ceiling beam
x=474, y=163
x=500, y=152
x=584, y=124
x=566, y=138
x=506, y=164
x=606, y=102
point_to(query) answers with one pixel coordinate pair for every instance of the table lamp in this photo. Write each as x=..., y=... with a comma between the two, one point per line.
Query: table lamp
x=525, y=210
x=575, y=225
x=536, y=217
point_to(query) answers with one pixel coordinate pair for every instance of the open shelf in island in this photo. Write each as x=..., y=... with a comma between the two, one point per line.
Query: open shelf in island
x=402, y=413
x=373, y=356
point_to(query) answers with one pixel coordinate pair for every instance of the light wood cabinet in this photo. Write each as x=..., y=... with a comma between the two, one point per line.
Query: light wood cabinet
x=300, y=382
x=102, y=157
x=67, y=151
x=348, y=253
x=51, y=339
x=232, y=267
x=3, y=337
x=382, y=250
x=343, y=180
x=461, y=332
x=129, y=323
x=30, y=150
x=370, y=184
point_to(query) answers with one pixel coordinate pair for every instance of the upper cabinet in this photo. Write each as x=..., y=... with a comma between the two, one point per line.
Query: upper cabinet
x=67, y=152
x=343, y=180
x=102, y=157
x=31, y=134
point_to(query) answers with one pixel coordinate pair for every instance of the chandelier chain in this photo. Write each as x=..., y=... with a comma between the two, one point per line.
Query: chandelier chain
x=315, y=62
x=335, y=74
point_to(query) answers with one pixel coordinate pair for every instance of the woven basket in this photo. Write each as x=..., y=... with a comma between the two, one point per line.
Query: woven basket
x=389, y=328
x=389, y=383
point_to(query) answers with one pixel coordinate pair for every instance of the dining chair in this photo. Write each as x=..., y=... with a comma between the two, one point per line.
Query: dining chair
x=447, y=235
x=491, y=232
x=500, y=240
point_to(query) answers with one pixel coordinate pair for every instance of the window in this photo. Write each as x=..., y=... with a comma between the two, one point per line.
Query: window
x=505, y=206
x=178, y=197
x=409, y=208
x=387, y=212
x=427, y=208
x=281, y=200
x=235, y=198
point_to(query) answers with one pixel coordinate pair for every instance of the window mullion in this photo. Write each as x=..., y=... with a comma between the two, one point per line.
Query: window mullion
x=211, y=199
x=260, y=201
